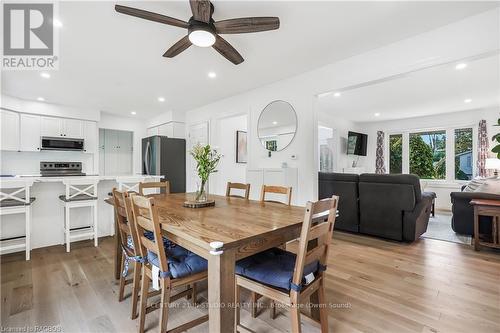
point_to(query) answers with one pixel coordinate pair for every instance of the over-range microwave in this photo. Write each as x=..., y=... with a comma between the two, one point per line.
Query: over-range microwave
x=56, y=143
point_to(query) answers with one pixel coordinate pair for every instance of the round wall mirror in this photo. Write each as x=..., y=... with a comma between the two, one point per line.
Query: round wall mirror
x=277, y=125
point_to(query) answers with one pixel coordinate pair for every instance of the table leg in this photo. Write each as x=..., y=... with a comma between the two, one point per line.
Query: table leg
x=118, y=250
x=494, y=231
x=476, y=229
x=221, y=296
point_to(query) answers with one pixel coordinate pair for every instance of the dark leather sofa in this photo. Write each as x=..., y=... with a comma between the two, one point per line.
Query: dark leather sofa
x=387, y=206
x=462, y=221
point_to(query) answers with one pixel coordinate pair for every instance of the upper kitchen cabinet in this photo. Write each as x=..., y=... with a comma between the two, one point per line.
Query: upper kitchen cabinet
x=152, y=131
x=171, y=129
x=10, y=130
x=30, y=132
x=90, y=136
x=71, y=128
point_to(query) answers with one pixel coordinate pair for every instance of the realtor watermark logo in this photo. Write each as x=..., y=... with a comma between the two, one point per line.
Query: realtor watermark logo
x=30, y=41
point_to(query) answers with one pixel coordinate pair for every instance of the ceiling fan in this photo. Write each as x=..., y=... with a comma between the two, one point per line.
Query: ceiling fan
x=203, y=31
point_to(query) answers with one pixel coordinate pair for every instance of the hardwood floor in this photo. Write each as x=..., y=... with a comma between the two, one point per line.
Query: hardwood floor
x=372, y=286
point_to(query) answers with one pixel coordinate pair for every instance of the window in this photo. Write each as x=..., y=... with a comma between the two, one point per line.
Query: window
x=463, y=154
x=396, y=153
x=326, y=149
x=428, y=154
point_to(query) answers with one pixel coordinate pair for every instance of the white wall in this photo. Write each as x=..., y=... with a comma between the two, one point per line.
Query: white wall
x=448, y=120
x=474, y=35
x=47, y=109
x=225, y=142
x=137, y=126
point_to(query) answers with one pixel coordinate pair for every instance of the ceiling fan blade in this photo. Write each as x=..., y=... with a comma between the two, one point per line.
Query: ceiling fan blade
x=247, y=24
x=144, y=14
x=201, y=10
x=227, y=51
x=178, y=47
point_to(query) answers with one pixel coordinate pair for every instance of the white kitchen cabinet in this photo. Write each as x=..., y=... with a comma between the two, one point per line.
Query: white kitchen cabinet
x=153, y=131
x=166, y=130
x=118, y=152
x=56, y=127
x=10, y=130
x=51, y=126
x=90, y=136
x=73, y=128
x=30, y=132
x=172, y=130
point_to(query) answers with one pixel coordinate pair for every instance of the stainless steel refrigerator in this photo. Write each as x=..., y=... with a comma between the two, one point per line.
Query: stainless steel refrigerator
x=164, y=156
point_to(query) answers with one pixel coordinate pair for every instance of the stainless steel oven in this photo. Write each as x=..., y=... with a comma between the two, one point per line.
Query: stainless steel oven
x=55, y=143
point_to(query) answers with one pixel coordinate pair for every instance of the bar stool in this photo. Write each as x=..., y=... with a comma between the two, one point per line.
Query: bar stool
x=80, y=192
x=129, y=183
x=15, y=199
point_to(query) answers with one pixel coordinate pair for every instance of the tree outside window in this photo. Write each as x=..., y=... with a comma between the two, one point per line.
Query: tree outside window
x=396, y=153
x=463, y=154
x=428, y=154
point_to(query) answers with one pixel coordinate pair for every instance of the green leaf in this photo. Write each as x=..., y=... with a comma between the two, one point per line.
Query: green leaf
x=496, y=149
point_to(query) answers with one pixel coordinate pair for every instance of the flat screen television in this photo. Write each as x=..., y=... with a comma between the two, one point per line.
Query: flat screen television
x=356, y=143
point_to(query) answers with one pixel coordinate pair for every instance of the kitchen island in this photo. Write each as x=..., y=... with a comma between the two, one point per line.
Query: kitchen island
x=47, y=222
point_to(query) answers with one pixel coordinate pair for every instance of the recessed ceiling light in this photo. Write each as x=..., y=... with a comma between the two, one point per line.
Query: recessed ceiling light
x=161, y=99
x=275, y=123
x=41, y=99
x=57, y=23
x=461, y=66
x=45, y=75
x=337, y=94
x=377, y=114
x=467, y=100
x=212, y=75
x=133, y=113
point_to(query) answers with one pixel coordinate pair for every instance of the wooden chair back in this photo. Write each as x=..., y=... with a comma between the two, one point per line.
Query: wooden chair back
x=239, y=186
x=146, y=219
x=277, y=190
x=164, y=187
x=123, y=220
x=324, y=212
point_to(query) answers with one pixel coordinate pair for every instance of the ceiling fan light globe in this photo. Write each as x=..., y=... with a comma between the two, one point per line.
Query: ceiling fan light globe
x=201, y=38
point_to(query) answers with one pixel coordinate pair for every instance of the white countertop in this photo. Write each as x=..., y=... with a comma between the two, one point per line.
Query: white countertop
x=40, y=179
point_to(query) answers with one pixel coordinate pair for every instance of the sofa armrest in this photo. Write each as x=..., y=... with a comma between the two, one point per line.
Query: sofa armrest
x=415, y=222
x=473, y=195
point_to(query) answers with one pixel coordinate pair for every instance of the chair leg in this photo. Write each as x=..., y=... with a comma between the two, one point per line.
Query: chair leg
x=122, y=281
x=323, y=312
x=295, y=317
x=194, y=295
x=254, y=304
x=96, y=240
x=237, y=309
x=272, y=312
x=144, y=300
x=28, y=232
x=67, y=226
x=135, y=288
x=164, y=304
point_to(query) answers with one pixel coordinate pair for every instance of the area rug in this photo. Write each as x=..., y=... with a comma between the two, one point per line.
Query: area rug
x=440, y=228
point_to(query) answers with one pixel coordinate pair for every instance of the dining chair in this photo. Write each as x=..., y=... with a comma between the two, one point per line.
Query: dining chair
x=157, y=187
x=287, y=191
x=238, y=186
x=123, y=214
x=167, y=266
x=254, y=297
x=289, y=278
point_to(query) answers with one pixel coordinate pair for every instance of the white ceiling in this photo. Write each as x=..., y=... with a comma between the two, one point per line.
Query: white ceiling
x=435, y=90
x=114, y=62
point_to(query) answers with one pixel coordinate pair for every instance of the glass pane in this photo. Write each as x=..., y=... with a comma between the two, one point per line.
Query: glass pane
x=396, y=153
x=428, y=154
x=326, y=141
x=463, y=154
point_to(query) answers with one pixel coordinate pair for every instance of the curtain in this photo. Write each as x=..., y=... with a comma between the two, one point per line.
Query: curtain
x=482, y=149
x=379, y=161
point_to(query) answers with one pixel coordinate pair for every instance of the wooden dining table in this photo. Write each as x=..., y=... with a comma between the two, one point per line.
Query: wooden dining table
x=233, y=229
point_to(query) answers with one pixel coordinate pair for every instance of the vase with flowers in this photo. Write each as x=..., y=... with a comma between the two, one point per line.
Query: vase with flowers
x=207, y=160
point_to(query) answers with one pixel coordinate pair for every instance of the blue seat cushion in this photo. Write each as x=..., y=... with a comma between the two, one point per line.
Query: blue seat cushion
x=181, y=262
x=149, y=235
x=273, y=267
